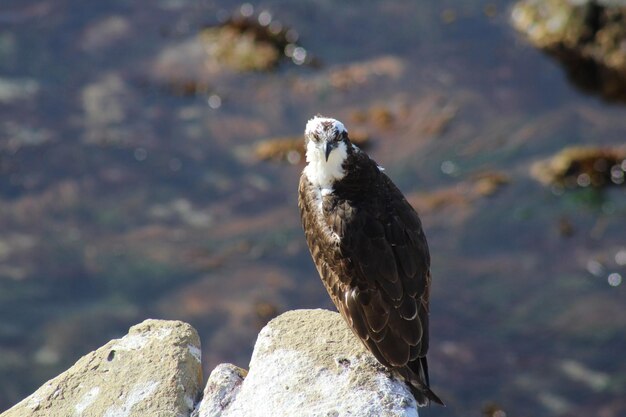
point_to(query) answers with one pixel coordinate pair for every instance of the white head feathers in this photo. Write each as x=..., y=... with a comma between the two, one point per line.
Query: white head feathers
x=318, y=125
x=320, y=171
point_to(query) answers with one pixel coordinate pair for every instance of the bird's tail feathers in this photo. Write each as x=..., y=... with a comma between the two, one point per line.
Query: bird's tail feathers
x=416, y=374
x=424, y=395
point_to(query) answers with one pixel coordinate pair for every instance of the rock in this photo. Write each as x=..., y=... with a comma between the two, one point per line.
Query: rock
x=152, y=371
x=222, y=388
x=489, y=183
x=249, y=42
x=239, y=49
x=458, y=201
x=352, y=76
x=586, y=36
x=241, y=43
x=307, y=363
x=579, y=166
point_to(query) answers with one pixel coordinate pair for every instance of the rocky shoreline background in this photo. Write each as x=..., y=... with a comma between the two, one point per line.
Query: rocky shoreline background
x=305, y=363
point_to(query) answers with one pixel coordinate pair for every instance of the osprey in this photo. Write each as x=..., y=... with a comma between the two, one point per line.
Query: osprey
x=370, y=251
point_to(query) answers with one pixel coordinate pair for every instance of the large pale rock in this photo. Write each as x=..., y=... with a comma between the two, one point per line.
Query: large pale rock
x=152, y=371
x=307, y=363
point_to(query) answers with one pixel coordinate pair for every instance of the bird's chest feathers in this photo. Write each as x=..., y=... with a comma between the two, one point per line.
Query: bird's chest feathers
x=322, y=207
x=322, y=173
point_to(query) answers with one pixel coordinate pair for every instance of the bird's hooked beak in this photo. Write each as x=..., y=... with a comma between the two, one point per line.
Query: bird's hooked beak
x=328, y=148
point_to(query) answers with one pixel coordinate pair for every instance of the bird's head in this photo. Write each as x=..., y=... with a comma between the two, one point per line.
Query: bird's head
x=327, y=147
x=324, y=135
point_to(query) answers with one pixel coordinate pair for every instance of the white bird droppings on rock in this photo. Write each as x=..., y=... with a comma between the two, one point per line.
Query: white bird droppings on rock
x=87, y=400
x=195, y=352
x=137, y=394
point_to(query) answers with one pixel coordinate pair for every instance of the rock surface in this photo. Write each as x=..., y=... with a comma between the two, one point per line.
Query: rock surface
x=580, y=166
x=152, y=371
x=307, y=363
x=587, y=36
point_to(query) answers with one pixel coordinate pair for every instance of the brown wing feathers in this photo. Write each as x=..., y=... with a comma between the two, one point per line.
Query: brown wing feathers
x=379, y=277
x=390, y=311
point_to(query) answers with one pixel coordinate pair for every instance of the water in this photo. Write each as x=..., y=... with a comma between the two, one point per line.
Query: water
x=122, y=199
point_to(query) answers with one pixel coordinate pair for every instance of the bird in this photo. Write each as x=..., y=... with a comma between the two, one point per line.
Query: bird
x=370, y=251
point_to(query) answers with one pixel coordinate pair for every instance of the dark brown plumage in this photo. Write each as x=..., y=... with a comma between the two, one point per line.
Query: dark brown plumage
x=371, y=253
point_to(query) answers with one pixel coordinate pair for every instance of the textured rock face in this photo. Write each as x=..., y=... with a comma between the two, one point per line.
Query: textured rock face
x=152, y=371
x=307, y=363
x=221, y=389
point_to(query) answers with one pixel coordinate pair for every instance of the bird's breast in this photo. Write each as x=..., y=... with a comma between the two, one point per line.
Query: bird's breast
x=329, y=218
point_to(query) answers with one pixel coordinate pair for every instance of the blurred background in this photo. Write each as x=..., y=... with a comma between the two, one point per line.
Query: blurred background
x=150, y=153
